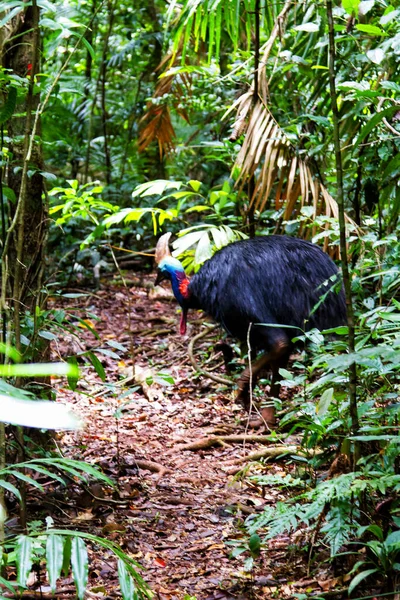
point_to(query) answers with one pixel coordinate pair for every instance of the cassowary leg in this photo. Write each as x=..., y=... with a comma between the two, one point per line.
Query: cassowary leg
x=275, y=365
x=268, y=412
x=275, y=359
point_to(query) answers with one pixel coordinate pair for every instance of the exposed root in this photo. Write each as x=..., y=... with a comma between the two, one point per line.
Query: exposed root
x=270, y=452
x=152, y=466
x=221, y=440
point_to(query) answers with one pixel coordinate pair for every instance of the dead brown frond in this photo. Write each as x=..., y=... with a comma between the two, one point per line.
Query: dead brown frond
x=267, y=156
x=156, y=121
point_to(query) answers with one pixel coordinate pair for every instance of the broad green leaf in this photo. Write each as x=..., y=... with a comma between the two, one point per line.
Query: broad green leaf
x=73, y=379
x=9, y=194
x=359, y=578
x=10, y=488
x=286, y=374
x=185, y=242
x=376, y=55
x=91, y=51
x=156, y=187
x=66, y=553
x=74, y=295
x=389, y=15
x=141, y=584
x=371, y=29
x=365, y=6
x=116, y=345
x=325, y=401
x=74, y=467
x=47, y=335
x=54, y=559
x=46, y=472
x=203, y=250
x=108, y=353
x=98, y=367
x=393, y=539
x=9, y=586
x=248, y=564
x=25, y=478
x=9, y=16
x=351, y=7
x=24, y=559
x=198, y=208
x=126, y=581
x=255, y=545
x=80, y=565
x=194, y=184
x=42, y=414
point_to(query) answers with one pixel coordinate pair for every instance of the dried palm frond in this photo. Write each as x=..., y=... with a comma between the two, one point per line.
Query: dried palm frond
x=267, y=155
x=157, y=116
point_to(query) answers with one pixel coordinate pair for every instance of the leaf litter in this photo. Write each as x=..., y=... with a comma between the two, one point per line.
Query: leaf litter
x=173, y=510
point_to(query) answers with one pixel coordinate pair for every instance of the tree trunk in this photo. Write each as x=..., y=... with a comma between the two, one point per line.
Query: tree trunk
x=25, y=232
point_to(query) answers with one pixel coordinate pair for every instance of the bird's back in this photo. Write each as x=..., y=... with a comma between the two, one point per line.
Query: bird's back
x=273, y=280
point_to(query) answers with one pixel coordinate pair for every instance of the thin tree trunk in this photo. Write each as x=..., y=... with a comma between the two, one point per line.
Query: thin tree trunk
x=342, y=225
x=251, y=225
x=110, y=11
x=22, y=241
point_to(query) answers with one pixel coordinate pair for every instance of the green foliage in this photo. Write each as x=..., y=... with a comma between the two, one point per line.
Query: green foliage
x=79, y=207
x=64, y=550
x=381, y=557
x=90, y=132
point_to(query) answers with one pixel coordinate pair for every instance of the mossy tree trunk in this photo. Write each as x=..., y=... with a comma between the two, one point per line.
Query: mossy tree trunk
x=26, y=225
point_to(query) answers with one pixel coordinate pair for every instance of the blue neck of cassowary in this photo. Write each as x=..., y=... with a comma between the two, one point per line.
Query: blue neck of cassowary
x=170, y=268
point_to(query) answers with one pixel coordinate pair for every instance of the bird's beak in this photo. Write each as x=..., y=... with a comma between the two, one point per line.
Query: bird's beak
x=160, y=277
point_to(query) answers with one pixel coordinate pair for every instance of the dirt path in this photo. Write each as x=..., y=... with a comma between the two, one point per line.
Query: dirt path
x=176, y=521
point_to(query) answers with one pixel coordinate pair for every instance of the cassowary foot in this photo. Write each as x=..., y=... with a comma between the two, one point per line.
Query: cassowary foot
x=243, y=397
x=268, y=416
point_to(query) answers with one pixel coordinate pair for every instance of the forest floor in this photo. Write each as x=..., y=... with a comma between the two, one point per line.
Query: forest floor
x=175, y=509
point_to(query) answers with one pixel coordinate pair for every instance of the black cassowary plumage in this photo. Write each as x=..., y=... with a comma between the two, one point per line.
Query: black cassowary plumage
x=275, y=280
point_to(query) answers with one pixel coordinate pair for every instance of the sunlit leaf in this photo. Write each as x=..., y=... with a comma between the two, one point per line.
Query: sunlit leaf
x=42, y=414
x=351, y=6
x=80, y=565
x=37, y=370
x=54, y=558
x=24, y=559
x=325, y=401
x=371, y=29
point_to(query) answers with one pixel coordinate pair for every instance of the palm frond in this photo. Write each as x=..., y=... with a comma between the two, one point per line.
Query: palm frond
x=268, y=157
x=157, y=118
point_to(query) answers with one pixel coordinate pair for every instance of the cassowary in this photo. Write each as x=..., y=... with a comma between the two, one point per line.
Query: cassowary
x=270, y=280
